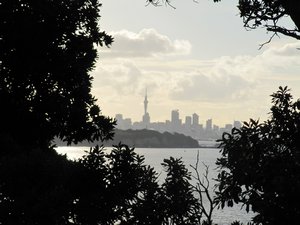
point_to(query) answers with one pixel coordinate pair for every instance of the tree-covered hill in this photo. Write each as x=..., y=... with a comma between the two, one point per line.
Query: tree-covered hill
x=153, y=139
x=147, y=139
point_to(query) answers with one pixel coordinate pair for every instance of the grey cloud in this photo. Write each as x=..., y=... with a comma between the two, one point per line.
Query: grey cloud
x=212, y=88
x=281, y=63
x=146, y=43
x=123, y=78
x=291, y=49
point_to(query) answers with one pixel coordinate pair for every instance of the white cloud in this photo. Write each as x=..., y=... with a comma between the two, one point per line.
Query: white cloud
x=146, y=43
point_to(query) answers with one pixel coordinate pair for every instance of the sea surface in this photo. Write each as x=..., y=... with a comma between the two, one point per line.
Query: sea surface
x=154, y=157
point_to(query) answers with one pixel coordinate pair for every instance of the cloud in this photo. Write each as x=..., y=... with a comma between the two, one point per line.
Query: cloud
x=212, y=88
x=122, y=78
x=146, y=43
x=278, y=63
x=289, y=49
x=224, y=79
x=240, y=79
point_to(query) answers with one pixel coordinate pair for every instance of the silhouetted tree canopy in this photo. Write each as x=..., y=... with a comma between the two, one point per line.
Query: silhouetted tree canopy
x=102, y=187
x=260, y=164
x=265, y=13
x=36, y=187
x=47, y=51
x=181, y=205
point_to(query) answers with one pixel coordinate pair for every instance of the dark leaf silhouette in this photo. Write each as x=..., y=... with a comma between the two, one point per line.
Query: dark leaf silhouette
x=47, y=51
x=260, y=164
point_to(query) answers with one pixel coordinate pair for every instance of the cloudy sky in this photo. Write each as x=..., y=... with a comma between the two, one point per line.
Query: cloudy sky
x=195, y=58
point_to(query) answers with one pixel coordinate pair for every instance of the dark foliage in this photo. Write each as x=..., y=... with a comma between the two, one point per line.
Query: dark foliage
x=47, y=51
x=36, y=188
x=123, y=190
x=260, y=164
x=118, y=188
x=181, y=206
x=269, y=14
x=102, y=187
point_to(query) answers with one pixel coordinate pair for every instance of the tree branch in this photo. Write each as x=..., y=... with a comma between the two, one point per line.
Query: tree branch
x=202, y=187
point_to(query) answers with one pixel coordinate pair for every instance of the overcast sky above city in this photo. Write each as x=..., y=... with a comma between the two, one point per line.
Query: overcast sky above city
x=195, y=58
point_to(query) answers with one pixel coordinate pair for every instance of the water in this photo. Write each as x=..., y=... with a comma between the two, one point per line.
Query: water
x=155, y=156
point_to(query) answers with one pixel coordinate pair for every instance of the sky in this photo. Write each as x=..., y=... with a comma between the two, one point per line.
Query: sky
x=197, y=58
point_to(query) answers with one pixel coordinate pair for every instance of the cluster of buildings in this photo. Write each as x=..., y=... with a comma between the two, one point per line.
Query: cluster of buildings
x=190, y=126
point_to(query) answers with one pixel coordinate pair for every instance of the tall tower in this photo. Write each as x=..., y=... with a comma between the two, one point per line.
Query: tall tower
x=146, y=116
x=145, y=103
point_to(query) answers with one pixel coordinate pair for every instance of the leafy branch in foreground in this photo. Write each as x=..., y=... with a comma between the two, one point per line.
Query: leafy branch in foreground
x=181, y=205
x=260, y=164
x=47, y=52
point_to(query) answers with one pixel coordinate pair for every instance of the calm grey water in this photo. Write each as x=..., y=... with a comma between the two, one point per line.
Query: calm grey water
x=155, y=156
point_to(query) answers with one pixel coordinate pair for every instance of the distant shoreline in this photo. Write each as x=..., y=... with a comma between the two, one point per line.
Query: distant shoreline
x=203, y=146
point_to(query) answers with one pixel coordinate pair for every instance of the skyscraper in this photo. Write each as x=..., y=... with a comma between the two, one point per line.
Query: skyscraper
x=188, y=121
x=209, y=124
x=175, y=117
x=237, y=124
x=195, y=119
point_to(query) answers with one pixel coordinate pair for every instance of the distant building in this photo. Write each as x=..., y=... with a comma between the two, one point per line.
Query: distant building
x=138, y=125
x=237, y=124
x=146, y=119
x=222, y=130
x=119, y=117
x=188, y=121
x=175, y=121
x=123, y=124
x=127, y=123
x=216, y=128
x=195, y=119
x=208, y=125
x=228, y=127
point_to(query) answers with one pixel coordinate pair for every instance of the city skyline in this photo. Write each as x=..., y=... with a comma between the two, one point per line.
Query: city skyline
x=174, y=113
x=190, y=126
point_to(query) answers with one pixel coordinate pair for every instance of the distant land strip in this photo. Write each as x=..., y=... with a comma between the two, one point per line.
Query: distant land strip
x=145, y=139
